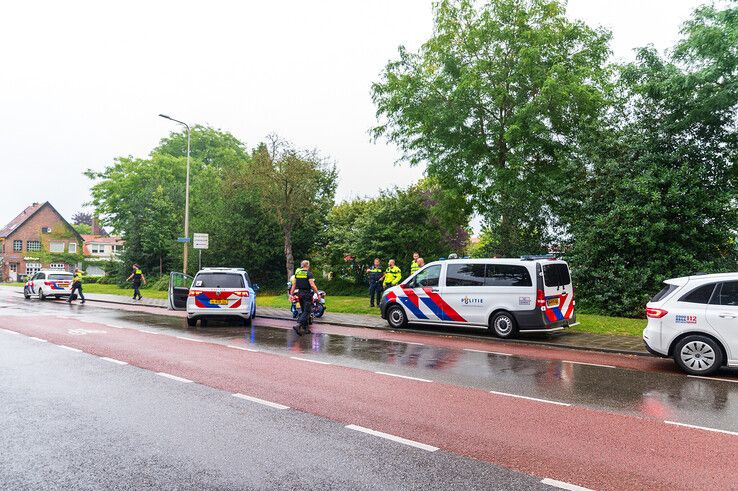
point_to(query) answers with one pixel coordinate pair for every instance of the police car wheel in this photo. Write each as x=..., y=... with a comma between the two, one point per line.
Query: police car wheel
x=396, y=317
x=26, y=295
x=698, y=355
x=41, y=295
x=503, y=325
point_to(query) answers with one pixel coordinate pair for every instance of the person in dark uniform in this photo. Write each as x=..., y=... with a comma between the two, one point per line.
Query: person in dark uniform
x=376, y=274
x=137, y=276
x=76, y=286
x=304, y=284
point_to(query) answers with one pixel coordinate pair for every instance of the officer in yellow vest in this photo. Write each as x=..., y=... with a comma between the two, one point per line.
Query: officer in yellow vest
x=305, y=283
x=375, y=282
x=137, y=276
x=414, y=265
x=76, y=286
x=392, y=275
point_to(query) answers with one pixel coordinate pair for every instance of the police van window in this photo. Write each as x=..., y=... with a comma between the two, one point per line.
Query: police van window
x=219, y=280
x=701, y=294
x=729, y=293
x=60, y=276
x=556, y=274
x=507, y=275
x=665, y=292
x=428, y=277
x=465, y=275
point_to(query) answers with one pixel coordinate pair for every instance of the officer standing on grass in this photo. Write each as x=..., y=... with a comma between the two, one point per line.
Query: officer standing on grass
x=76, y=286
x=375, y=282
x=137, y=276
x=392, y=275
x=305, y=283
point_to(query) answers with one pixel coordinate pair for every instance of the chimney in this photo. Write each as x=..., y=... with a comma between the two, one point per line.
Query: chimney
x=96, y=230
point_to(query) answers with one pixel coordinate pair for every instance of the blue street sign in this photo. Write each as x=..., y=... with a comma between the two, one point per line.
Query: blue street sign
x=183, y=239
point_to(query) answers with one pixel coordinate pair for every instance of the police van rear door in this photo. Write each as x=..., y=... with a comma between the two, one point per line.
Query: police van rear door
x=557, y=289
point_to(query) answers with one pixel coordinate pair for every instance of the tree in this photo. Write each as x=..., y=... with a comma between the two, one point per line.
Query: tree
x=82, y=218
x=292, y=184
x=494, y=104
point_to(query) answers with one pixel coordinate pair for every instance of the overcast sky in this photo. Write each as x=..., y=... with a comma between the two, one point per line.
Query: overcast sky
x=82, y=82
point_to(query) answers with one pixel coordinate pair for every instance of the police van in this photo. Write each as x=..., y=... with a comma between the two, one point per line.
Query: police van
x=506, y=296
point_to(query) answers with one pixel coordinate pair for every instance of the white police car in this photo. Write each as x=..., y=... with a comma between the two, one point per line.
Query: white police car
x=214, y=293
x=48, y=283
x=507, y=296
x=695, y=320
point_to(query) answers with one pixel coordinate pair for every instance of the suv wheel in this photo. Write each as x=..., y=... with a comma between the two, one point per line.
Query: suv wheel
x=698, y=355
x=503, y=325
x=396, y=317
x=192, y=321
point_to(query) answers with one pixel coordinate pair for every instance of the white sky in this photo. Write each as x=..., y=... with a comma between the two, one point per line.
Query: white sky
x=83, y=82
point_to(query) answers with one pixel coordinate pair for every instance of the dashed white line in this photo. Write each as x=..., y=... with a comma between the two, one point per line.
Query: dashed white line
x=529, y=398
x=404, y=376
x=174, y=377
x=588, y=364
x=705, y=428
x=405, y=342
x=37, y=339
x=394, y=438
x=311, y=361
x=69, y=348
x=488, y=352
x=190, y=339
x=563, y=485
x=242, y=348
x=714, y=378
x=261, y=401
x=113, y=360
x=10, y=332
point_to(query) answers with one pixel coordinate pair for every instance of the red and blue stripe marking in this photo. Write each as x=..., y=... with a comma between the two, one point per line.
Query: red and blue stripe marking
x=203, y=300
x=433, y=301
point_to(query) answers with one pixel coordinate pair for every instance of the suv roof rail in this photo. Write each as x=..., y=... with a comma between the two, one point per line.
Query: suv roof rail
x=540, y=256
x=223, y=269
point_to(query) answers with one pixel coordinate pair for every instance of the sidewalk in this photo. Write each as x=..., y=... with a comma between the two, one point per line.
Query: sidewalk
x=561, y=339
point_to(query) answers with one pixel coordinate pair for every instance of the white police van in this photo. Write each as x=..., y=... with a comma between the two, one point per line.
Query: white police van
x=507, y=296
x=214, y=293
x=694, y=319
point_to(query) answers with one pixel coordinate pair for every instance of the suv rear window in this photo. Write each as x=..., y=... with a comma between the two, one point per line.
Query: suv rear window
x=219, y=280
x=665, y=292
x=62, y=277
x=701, y=294
x=556, y=274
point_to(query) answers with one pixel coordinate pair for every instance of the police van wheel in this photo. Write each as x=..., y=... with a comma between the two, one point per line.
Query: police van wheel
x=698, y=355
x=396, y=317
x=503, y=325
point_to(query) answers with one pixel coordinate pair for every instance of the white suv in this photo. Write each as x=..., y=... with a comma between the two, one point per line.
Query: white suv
x=695, y=320
x=47, y=283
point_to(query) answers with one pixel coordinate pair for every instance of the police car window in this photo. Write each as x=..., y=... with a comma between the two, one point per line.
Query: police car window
x=701, y=294
x=729, y=293
x=665, y=292
x=40, y=276
x=465, y=275
x=507, y=275
x=556, y=274
x=219, y=280
x=428, y=277
x=60, y=277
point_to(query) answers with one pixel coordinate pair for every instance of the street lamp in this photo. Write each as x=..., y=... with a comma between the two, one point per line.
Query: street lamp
x=187, y=191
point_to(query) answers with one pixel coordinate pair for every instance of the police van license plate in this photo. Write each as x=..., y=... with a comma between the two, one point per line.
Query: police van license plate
x=552, y=302
x=219, y=302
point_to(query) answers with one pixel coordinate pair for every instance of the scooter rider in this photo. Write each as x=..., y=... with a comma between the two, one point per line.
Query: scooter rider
x=305, y=283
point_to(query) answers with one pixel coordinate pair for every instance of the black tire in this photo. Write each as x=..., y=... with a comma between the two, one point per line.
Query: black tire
x=192, y=321
x=203, y=323
x=320, y=310
x=503, y=325
x=396, y=317
x=41, y=295
x=248, y=322
x=698, y=355
x=26, y=295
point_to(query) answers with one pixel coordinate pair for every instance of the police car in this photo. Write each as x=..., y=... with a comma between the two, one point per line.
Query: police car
x=47, y=283
x=694, y=319
x=214, y=293
x=506, y=296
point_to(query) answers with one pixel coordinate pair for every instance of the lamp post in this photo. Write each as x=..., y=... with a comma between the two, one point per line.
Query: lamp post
x=187, y=191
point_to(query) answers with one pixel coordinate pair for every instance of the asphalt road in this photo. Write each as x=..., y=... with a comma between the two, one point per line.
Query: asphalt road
x=499, y=414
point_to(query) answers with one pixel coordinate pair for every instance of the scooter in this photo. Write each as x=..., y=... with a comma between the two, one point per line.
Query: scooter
x=318, y=303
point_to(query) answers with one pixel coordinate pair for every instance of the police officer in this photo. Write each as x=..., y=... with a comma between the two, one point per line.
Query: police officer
x=76, y=286
x=375, y=282
x=421, y=262
x=392, y=275
x=137, y=276
x=305, y=283
x=414, y=265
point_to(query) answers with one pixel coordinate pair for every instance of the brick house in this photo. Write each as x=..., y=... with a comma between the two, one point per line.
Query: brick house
x=37, y=238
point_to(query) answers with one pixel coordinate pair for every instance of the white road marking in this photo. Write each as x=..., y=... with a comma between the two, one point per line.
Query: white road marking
x=404, y=376
x=174, y=377
x=563, y=485
x=37, y=339
x=190, y=339
x=489, y=352
x=311, y=361
x=10, y=332
x=588, y=364
x=394, y=438
x=261, y=401
x=694, y=427
x=713, y=378
x=242, y=348
x=404, y=342
x=147, y=332
x=69, y=348
x=529, y=398
x=113, y=360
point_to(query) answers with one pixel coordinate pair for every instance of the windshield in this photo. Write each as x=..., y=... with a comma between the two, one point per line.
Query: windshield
x=61, y=277
x=556, y=274
x=219, y=280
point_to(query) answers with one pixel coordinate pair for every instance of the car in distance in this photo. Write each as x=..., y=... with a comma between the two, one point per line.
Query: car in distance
x=214, y=293
x=694, y=320
x=48, y=283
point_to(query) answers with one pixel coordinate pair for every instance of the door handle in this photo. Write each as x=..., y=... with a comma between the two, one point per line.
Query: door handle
x=727, y=316
x=435, y=290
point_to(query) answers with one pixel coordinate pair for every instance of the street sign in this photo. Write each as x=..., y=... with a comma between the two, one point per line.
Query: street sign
x=183, y=239
x=200, y=241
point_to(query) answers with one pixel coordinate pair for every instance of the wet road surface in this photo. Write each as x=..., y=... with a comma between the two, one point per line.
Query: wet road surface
x=436, y=374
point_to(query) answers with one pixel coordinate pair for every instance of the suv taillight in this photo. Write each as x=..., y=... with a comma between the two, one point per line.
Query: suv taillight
x=655, y=313
x=241, y=293
x=540, y=299
x=194, y=293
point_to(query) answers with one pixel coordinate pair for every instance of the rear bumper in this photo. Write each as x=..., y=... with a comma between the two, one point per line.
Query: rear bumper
x=536, y=321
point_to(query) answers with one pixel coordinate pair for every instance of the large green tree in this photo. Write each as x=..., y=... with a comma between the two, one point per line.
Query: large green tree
x=495, y=103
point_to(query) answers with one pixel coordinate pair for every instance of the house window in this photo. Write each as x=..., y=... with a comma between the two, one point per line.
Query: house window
x=14, y=267
x=56, y=246
x=17, y=245
x=73, y=248
x=33, y=245
x=58, y=266
x=32, y=268
x=97, y=248
x=45, y=230
x=117, y=249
